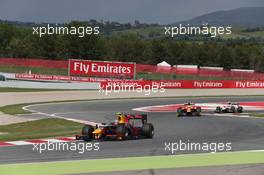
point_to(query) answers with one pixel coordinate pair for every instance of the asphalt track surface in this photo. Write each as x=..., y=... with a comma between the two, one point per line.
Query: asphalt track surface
x=243, y=133
x=253, y=169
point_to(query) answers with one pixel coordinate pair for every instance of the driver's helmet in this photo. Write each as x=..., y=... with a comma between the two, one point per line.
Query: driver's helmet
x=121, y=118
x=118, y=113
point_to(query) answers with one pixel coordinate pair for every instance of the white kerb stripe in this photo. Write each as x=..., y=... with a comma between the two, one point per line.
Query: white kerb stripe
x=20, y=143
x=54, y=140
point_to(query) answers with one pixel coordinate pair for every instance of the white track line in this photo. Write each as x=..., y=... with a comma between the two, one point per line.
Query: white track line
x=55, y=115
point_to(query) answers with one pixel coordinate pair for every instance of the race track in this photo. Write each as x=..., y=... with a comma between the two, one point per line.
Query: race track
x=243, y=133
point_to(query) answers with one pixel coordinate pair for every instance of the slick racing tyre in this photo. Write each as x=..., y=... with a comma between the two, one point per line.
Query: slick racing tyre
x=2, y=78
x=233, y=109
x=240, y=109
x=198, y=112
x=179, y=113
x=87, y=132
x=148, y=130
x=218, y=109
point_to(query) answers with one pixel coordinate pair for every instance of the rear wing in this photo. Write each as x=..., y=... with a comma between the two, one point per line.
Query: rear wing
x=143, y=117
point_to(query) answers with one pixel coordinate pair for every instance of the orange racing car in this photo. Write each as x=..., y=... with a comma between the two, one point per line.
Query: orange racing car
x=189, y=109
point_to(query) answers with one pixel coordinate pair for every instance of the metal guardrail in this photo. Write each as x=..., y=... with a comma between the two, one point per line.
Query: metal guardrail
x=12, y=82
x=49, y=85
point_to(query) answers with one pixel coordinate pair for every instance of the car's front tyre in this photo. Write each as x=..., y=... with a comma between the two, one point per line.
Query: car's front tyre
x=87, y=132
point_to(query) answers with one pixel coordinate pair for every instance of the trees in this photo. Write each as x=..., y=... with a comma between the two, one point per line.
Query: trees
x=74, y=46
x=129, y=47
x=7, y=32
x=126, y=47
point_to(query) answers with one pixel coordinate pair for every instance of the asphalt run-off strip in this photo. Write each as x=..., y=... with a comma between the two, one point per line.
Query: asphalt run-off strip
x=135, y=163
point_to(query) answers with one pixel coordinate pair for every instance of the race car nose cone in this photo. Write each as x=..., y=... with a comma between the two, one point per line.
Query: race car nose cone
x=97, y=131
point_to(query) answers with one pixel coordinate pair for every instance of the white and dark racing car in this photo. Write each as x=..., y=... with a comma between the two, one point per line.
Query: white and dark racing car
x=230, y=107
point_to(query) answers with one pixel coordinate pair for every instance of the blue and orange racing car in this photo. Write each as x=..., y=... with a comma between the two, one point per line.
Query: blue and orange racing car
x=127, y=126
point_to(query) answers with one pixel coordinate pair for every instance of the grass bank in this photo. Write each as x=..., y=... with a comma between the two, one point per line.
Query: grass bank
x=133, y=163
x=37, y=129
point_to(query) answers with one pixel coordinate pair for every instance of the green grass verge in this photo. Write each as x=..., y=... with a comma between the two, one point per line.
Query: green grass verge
x=35, y=70
x=14, y=109
x=42, y=128
x=133, y=163
x=257, y=115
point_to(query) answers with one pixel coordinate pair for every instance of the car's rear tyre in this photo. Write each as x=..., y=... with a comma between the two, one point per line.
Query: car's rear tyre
x=178, y=114
x=87, y=132
x=240, y=109
x=2, y=78
x=233, y=109
x=197, y=112
x=148, y=130
x=218, y=109
x=122, y=131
